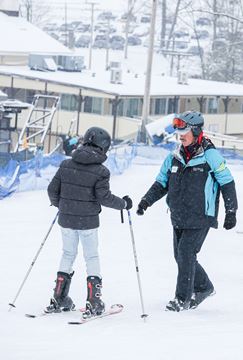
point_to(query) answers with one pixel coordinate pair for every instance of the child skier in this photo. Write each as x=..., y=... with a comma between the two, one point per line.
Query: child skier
x=78, y=189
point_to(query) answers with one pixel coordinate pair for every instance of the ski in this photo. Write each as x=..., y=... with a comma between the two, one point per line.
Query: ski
x=32, y=316
x=114, y=309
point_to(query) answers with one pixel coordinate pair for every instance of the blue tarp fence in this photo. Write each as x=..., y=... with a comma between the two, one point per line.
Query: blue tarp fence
x=23, y=172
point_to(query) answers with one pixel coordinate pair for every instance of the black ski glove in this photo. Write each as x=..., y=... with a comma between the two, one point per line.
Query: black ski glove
x=128, y=202
x=230, y=220
x=142, y=206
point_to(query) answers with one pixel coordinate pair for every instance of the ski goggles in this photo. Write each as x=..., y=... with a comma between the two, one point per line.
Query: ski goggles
x=180, y=126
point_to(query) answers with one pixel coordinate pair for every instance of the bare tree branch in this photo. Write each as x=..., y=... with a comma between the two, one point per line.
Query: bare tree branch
x=219, y=14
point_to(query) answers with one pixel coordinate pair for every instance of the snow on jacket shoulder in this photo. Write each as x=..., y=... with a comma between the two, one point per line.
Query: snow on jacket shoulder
x=80, y=187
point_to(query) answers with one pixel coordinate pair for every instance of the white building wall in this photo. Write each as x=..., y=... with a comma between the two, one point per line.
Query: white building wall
x=61, y=123
x=224, y=123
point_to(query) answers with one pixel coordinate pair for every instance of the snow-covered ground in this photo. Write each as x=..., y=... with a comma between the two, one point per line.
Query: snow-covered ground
x=213, y=331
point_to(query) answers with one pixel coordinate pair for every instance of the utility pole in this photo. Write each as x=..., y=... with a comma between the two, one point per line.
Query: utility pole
x=65, y=22
x=107, y=43
x=214, y=20
x=146, y=98
x=130, y=6
x=172, y=56
x=163, y=24
x=92, y=4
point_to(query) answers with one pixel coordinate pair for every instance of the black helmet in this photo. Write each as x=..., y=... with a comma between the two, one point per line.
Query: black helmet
x=193, y=121
x=97, y=137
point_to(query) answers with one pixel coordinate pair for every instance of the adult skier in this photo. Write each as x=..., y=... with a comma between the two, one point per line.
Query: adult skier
x=192, y=177
x=78, y=189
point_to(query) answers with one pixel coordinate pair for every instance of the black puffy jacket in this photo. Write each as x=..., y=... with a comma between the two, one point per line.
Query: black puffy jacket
x=80, y=187
x=193, y=188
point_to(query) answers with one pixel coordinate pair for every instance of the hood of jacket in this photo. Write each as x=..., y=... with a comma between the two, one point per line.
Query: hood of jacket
x=89, y=155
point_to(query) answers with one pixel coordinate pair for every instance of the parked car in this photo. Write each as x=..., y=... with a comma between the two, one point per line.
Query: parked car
x=66, y=27
x=145, y=19
x=134, y=40
x=203, y=21
x=50, y=27
x=106, y=15
x=117, y=38
x=179, y=44
x=105, y=29
x=76, y=24
x=201, y=34
x=132, y=17
x=219, y=43
x=83, y=41
x=141, y=31
x=117, y=42
x=53, y=35
x=181, y=33
x=83, y=28
x=116, y=45
x=195, y=50
x=100, y=41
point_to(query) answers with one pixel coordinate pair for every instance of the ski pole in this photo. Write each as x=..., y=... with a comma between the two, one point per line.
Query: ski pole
x=122, y=218
x=12, y=304
x=143, y=316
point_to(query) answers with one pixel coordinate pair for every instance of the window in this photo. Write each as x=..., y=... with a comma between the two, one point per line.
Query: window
x=132, y=107
x=212, y=105
x=88, y=104
x=96, y=105
x=159, y=106
x=129, y=107
x=93, y=105
x=120, y=108
x=69, y=102
x=173, y=105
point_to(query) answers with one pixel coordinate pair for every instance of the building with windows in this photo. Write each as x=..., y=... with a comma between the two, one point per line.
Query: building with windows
x=92, y=99
x=110, y=96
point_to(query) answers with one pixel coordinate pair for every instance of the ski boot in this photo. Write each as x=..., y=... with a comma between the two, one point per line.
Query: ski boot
x=61, y=301
x=94, y=305
x=199, y=297
x=177, y=305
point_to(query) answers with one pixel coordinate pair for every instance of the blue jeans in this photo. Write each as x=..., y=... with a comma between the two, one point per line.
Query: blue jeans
x=89, y=240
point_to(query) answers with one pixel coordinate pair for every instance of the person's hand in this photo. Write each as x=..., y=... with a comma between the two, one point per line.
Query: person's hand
x=142, y=206
x=128, y=202
x=230, y=220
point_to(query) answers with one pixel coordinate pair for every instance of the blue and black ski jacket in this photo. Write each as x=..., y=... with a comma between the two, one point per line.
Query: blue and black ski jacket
x=193, y=188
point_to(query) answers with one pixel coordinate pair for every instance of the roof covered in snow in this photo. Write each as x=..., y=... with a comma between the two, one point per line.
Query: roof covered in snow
x=131, y=84
x=98, y=79
x=18, y=36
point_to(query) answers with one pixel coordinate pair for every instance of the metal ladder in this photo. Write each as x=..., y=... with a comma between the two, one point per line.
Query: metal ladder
x=38, y=122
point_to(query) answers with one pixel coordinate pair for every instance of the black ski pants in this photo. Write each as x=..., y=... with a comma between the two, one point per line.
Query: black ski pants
x=191, y=275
